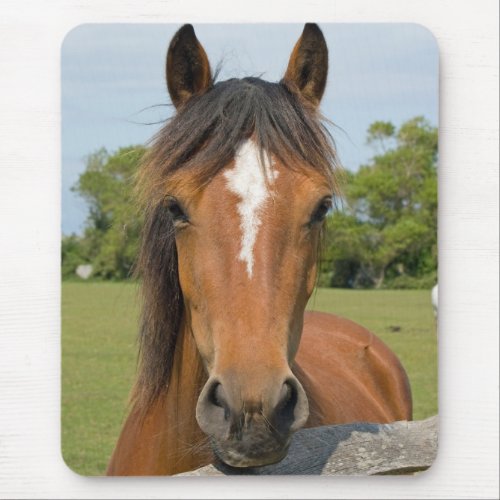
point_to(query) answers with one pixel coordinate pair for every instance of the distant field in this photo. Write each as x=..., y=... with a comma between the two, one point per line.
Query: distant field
x=99, y=326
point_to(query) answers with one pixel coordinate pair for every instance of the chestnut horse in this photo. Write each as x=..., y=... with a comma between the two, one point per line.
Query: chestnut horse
x=236, y=188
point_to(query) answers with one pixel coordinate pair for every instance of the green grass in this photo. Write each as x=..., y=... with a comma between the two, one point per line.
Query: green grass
x=99, y=326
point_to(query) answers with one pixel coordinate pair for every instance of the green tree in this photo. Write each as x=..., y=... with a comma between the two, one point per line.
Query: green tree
x=388, y=229
x=110, y=239
x=73, y=253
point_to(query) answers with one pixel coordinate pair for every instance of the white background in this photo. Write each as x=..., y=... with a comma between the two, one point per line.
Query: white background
x=31, y=34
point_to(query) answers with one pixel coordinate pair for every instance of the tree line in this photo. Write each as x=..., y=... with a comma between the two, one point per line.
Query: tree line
x=382, y=234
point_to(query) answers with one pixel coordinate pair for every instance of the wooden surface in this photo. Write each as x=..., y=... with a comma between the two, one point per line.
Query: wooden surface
x=31, y=33
x=352, y=449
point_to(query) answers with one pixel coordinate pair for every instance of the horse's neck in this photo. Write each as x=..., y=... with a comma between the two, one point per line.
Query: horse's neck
x=166, y=439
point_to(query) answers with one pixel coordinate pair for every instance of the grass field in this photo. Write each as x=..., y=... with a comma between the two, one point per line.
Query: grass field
x=99, y=325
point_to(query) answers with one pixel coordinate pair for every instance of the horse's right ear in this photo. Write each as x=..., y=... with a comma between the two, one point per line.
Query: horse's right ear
x=188, y=69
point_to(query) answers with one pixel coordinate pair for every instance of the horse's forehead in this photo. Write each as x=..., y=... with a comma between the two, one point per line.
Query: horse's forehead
x=254, y=181
x=255, y=175
x=249, y=172
x=254, y=178
x=254, y=194
x=251, y=179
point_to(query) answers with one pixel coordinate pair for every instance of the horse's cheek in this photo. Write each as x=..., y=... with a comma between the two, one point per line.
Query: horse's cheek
x=311, y=279
x=185, y=268
x=312, y=264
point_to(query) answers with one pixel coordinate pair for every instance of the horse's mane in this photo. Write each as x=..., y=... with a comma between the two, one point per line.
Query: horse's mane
x=203, y=137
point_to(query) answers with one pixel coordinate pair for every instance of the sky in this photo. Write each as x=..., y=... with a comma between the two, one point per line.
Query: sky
x=114, y=92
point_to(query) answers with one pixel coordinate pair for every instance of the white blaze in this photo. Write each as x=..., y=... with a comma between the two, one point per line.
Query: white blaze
x=248, y=180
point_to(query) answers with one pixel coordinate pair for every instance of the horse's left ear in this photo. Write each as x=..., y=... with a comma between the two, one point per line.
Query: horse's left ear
x=308, y=66
x=188, y=69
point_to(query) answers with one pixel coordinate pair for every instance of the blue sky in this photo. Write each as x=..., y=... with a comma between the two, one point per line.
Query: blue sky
x=112, y=72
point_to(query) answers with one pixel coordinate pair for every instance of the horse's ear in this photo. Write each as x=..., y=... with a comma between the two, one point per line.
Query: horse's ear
x=308, y=66
x=188, y=69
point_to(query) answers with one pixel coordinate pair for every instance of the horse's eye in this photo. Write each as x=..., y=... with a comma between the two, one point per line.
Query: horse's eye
x=322, y=210
x=176, y=211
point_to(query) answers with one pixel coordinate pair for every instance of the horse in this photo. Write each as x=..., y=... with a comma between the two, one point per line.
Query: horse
x=235, y=190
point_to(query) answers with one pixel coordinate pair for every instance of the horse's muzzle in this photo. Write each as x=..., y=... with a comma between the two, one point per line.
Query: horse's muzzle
x=251, y=431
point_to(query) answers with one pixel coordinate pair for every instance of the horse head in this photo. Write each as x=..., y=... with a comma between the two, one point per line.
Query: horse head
x=239, y=184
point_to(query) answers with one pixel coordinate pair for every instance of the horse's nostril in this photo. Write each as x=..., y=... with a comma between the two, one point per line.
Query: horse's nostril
x=217, y=397
x=284, y=398
x=292, y=409
x=288, y=398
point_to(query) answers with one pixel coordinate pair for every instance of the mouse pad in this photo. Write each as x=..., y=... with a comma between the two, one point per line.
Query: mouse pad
x=249, y=249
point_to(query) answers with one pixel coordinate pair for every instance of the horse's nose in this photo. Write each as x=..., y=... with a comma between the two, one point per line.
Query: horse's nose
x=226, y=410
